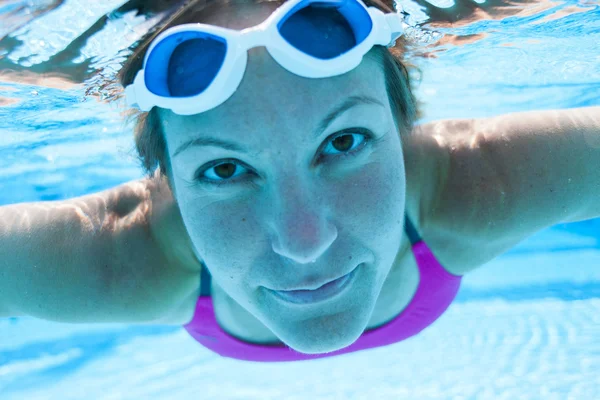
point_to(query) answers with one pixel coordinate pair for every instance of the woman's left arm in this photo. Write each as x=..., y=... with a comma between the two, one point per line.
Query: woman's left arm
x=504, y=178
x=559, y=150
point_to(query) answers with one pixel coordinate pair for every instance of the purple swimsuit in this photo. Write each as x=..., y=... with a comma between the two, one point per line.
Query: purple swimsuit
x=436, y=291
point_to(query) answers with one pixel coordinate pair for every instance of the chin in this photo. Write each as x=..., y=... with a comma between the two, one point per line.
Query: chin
x=319, y=337
x=332, y=327
x=328, y=344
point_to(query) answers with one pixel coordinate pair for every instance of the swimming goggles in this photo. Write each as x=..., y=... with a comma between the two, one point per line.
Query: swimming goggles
x=192, y=68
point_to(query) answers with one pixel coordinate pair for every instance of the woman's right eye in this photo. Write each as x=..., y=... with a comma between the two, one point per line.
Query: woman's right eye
x=222, y=172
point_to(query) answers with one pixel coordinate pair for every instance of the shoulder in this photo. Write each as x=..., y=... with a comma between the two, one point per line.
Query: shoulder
x=170, y=278
x=422, y=159
x=166, y=224
x=426, y=163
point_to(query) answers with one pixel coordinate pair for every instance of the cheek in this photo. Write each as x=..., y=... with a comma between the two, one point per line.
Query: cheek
x=221, y=233
x=374, y=200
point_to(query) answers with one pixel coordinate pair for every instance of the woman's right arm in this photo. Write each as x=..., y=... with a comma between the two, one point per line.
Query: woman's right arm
x=89, y=259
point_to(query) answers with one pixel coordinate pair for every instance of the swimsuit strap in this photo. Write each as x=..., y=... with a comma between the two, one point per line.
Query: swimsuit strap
x=205, y=275
x=412, y=233
x=204, y=281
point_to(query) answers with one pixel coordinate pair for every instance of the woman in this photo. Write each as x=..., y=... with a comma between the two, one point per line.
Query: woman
x=297, y=212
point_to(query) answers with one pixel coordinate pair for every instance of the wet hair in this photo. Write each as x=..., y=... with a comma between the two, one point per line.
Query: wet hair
x=149, y=139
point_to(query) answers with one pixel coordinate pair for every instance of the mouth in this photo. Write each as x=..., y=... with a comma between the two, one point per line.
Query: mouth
x=327, y=291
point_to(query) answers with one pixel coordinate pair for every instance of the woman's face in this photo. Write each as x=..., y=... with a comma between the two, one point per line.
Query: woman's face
x=293, y=204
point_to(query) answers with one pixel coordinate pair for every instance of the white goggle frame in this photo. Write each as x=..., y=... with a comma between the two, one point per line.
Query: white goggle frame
x=386, y=29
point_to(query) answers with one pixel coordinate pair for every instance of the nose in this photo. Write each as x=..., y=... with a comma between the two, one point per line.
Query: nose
x=302, y=231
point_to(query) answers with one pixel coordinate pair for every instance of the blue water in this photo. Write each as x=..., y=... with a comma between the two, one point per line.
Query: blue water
x=524, y=326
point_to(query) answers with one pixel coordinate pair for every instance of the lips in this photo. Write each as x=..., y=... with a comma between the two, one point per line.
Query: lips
x=328, y=290
x=311, y=285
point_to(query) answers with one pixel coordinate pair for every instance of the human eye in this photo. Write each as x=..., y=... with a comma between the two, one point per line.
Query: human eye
x=226, y=171
x=345, y=140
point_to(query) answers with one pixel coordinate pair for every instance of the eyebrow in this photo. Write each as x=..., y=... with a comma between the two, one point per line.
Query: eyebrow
x=349, y=103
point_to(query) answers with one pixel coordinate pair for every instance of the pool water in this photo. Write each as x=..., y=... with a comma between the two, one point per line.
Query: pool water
x=524, y=326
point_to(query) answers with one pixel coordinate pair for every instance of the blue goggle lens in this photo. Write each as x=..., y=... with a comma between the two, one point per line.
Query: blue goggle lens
x=184, y=64
x=326, y=30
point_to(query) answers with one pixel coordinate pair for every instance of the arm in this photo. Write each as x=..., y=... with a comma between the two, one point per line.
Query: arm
x=87, y=259
x=505, y=178
x=54, y=258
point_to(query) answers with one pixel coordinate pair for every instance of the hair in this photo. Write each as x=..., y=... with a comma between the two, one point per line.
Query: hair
x=149, y=138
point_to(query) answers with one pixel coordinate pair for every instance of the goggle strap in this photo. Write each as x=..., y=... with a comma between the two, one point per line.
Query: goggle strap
x=130, y=95
x=396, y=23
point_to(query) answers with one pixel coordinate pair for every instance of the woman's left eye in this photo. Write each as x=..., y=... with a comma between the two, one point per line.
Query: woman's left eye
x=346, y=141
x=343, y=142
